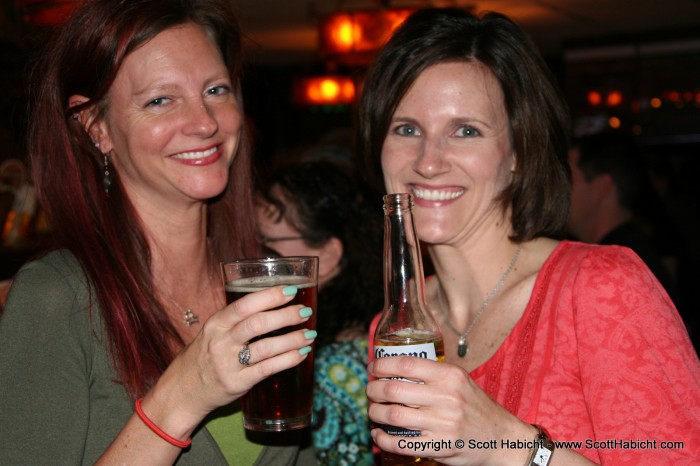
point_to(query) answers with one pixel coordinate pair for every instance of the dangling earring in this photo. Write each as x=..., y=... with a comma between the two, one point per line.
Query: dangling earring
x=107, y=179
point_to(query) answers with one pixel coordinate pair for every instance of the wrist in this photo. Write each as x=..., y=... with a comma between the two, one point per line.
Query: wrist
x=515, y=447
x=157, y=430
x=173, y=403
x=169, y=414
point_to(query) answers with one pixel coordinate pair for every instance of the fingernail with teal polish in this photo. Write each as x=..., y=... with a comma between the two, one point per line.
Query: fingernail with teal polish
x=289, y=290
x=305, y=312
x=310, y=334
x=305, y=350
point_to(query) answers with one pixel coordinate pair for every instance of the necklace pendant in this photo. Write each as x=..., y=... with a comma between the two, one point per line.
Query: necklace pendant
x=190, y=317
x=462, y=346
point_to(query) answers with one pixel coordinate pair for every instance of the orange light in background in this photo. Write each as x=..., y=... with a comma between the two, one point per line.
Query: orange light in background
x=324, y=90
x=673, y=96
x=655, y=102
x=614, y=122
x=614, y=98
x=594, y=98
x=360, y=31
x=340, y=33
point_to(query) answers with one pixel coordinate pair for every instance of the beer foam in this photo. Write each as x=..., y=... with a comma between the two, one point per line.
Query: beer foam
x=249, y=285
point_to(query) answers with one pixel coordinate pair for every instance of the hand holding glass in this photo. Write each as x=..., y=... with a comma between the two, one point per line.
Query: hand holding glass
x=283, y=400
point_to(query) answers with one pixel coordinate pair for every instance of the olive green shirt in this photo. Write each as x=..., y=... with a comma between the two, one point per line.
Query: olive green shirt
x=59, y=404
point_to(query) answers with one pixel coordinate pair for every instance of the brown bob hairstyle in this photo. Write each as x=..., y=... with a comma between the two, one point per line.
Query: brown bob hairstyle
x=538, y=115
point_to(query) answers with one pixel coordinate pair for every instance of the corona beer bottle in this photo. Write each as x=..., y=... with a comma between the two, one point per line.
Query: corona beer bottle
x=405, y=327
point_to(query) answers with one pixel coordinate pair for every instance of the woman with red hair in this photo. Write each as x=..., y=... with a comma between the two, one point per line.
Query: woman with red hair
x=141, y=162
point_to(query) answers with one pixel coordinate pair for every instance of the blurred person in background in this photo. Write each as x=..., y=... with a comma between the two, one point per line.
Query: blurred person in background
x=613, y=202
x=320, y=208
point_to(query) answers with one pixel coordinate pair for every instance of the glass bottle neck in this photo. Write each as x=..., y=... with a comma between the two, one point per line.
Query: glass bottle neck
x=403, y=273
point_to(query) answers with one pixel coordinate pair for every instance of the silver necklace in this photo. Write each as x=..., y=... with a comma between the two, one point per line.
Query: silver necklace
x=189, y=316
x=462, y=344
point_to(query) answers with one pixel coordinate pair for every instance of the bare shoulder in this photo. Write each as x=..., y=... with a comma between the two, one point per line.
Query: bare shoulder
x=532, y=258
x=535, y=254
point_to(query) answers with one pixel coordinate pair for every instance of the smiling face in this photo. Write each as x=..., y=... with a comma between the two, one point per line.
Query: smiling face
x=449, y=145
x=173, y=119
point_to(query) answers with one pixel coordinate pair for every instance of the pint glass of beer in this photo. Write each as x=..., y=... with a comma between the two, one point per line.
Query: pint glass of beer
x=282, y=401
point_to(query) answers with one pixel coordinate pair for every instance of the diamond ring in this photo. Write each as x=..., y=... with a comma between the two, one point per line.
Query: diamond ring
x=244, y=355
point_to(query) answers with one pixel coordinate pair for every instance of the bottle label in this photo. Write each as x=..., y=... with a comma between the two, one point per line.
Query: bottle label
x=423, y=350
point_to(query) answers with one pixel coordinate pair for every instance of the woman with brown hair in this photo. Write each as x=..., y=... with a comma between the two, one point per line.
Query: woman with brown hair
x=544, y=339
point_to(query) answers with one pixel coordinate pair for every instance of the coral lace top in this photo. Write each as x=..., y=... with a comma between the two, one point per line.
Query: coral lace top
x=602, y=359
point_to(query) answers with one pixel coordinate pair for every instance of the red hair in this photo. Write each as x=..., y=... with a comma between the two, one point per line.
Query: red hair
x=105, y=234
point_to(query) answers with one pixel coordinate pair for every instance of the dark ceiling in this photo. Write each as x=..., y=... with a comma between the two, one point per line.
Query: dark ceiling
x=286, y=30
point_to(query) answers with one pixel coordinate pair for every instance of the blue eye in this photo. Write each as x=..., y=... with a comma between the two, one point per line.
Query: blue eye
x=218, y=90
x=157, y=102
x=467, y=132
x=407, y=130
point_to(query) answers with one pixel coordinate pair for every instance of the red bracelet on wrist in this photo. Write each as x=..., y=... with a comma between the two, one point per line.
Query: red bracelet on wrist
x=158, y=431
